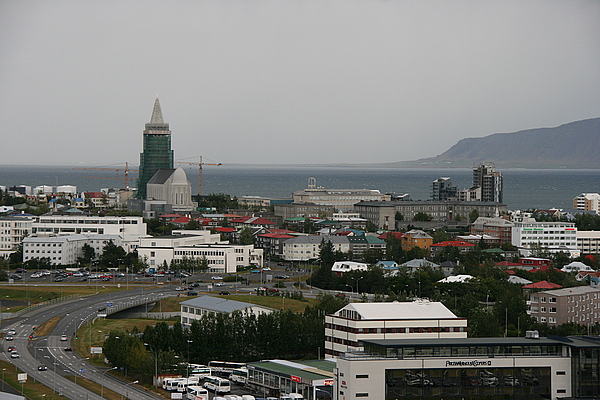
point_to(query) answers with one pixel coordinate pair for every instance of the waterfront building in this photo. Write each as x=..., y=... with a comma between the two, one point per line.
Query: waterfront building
x=383, y=213
x=157, y=153
x=303, y=210
x=587, y=202
x=442, y=189
x=66, y=249
x=340, y=199
x=13, y=229
x=471, y=368
x=489, y=181
x=356, y=322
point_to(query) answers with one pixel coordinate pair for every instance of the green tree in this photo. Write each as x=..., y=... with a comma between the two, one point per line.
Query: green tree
x=246, y=236
x=473, y=215
x=326, y=252
x=422, y=216
x=111, y=254
x=398, y=216
x=192, y=225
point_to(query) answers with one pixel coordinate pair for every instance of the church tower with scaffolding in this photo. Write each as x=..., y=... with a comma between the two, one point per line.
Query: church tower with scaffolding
x=157, y=152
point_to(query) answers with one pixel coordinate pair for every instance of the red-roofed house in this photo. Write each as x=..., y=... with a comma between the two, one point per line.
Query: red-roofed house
x=542, y=285
x=385, y=235
x=181, y=221
x=463, y=247
x=252, y=222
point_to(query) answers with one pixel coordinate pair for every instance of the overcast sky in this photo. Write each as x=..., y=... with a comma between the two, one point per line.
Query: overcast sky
x=244, y=81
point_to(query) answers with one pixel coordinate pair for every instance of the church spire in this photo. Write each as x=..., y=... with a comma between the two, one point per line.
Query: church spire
x=157, y=117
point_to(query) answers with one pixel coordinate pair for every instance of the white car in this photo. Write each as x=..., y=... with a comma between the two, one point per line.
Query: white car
x=216, y=278
x=63, y=338
x=179, y=289
x=14, y=354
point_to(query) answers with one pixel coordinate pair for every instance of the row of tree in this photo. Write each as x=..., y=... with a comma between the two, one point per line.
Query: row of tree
x=241, y=337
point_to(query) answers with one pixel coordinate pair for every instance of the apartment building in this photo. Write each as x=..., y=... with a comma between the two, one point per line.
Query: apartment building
x=304, y=248
x=420, y=319
x=12, y=231
x=495, y=227
x=580, y=305
x=587, y=202
x=416, y=238
x=588, y=242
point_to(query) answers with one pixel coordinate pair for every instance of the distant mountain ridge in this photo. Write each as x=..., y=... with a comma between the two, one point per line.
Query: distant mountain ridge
x=572, y=145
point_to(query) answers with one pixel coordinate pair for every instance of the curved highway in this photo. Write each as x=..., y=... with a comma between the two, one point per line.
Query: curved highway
x=50, y=351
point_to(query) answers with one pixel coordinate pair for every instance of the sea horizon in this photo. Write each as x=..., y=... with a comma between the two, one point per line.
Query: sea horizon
x=524, y=188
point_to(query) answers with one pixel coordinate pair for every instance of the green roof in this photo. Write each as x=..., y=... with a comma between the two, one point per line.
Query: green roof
x=310, y=373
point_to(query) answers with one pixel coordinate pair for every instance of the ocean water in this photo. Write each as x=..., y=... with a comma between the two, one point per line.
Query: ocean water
x=523, y=188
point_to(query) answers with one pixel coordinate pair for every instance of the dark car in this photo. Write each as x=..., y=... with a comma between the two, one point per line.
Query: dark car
x=68, y=349
x=20, y=271
x=42, y=367
x=224, y=292
x=15, y=276
x=192, y=293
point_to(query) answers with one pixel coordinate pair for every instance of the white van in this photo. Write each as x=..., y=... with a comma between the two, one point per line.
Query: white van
x=248, y=397
x=167, y=381
x=195, y=392
x=217, y=385
x=171, y=385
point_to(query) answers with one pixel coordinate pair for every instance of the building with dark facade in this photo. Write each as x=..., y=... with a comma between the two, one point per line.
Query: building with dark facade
x=157, y=152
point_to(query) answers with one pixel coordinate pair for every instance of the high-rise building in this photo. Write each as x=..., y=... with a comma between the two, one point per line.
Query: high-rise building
x=489, y=181
x=442, y=189
x=157, y=152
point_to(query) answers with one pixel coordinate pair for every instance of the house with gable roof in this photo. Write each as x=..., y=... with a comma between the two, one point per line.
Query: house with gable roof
x=195, y=308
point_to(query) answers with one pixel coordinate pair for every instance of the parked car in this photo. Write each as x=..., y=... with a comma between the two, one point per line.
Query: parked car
x=511, y=380
x=224, y=292
x=216, y=277
x=15, y=276
x=179, y=289
x=192, y=293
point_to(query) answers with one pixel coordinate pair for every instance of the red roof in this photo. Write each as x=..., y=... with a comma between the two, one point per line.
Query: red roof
x=277, y=235
x=232, y=216
x=454, y=243
x=169, y=216
x=542, y=285
x=181, y=220
x=225, y=230
x=253, y=221
x=510, y=272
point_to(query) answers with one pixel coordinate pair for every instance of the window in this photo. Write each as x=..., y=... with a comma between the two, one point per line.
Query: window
x=561, y=372
x=552, y=299
x=362, y=394
x=362, y=376
x=561, y=390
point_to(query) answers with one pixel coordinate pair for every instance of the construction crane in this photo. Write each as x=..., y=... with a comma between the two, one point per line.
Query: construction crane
x=126, y=178
x=199, y=164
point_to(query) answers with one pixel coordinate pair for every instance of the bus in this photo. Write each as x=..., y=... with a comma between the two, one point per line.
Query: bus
x=195, y=392
x=199, y=371
x=217, y=385
x=239, y=375
x=224, y=368
x=171, y=384
x=182, y=385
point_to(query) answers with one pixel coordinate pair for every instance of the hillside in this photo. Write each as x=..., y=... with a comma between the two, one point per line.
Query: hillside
x=572, y=145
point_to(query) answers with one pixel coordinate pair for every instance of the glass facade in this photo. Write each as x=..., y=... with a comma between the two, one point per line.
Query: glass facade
x=472, y=383
x=157, y=154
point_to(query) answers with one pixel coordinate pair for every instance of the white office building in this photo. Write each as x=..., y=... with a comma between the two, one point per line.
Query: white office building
x=347, y=327
x=66, y=249
x=129, y=228
x=551, y=236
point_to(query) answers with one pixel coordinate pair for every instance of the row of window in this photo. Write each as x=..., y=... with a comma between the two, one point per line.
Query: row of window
x=431, y=329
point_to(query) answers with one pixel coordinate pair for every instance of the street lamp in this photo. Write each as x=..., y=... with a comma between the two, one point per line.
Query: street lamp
x=351, y=289
x=357, y=280
x=155, y=361
x=188, y=358
x=125, y=387
x=102, y=382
